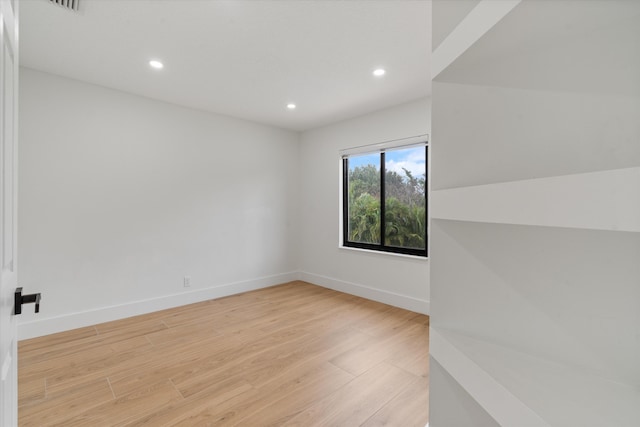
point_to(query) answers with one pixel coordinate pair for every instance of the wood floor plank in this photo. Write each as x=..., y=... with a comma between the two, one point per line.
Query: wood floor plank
x=56, y=409
x=135, y=324
x=385, y=323
x=49, y=367
x=106, y=331
x=413, y=361
x=407, y=409
x=31, y=346
x=183, y=334
x=87, y=343
x=45, y=348
x=317, y=350
x=192, y=313
x=247, y=328
x=292, y=354
x=421, y=318
x=31, y=392
x=69, y=374
x=287, y=405
x=414, y=357
x=232, y=364
x=176, y=411
x=323, y=378
x=376, y=350
x=354, y=403
x=171, y=363
x=131, y=406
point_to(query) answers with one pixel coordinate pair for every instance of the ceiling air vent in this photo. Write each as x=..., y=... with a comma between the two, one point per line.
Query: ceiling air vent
x=67, y=4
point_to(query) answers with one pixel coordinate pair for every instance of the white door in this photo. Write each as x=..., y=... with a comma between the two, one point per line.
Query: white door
x=8, y=211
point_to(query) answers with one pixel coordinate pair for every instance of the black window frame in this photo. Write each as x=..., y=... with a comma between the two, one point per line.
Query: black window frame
x=382, y=247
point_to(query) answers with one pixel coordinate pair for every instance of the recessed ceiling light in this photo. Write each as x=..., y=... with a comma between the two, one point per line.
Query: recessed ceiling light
x=291, y=106
x=156, y=64
x=379, y=72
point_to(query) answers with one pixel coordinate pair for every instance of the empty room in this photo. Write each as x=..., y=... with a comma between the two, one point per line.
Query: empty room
x=320, y=213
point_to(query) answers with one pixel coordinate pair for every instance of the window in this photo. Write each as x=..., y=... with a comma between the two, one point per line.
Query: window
x=385, y=200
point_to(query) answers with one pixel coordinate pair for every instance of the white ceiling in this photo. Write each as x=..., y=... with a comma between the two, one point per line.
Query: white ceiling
x=242, y=58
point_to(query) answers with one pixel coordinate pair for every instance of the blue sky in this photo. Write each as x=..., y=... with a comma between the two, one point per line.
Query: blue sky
x=413, y=159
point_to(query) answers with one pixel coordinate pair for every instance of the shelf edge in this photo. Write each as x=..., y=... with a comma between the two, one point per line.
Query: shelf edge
x=480, y=20
x=502, y=405
x=604, y=200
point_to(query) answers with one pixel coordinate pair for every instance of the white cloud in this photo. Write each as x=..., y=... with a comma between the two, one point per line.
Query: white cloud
x=411, y=159
x=415, y=167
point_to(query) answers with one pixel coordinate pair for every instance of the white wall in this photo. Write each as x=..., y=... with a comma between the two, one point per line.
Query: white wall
x=397, y=280
x=123, y=196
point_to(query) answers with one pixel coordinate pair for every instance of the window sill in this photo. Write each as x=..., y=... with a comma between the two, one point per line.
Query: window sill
x=392, y=254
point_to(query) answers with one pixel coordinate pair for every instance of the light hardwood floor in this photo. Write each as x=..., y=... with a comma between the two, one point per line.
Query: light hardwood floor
x=290, y=355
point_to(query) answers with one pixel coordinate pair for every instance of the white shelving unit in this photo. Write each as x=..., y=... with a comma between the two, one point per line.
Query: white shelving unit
x=535, y=206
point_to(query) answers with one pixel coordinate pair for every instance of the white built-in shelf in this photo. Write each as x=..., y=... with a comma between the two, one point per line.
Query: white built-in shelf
x=606, y=200
x=537, y=125
x=546, y=46
x=520, y=390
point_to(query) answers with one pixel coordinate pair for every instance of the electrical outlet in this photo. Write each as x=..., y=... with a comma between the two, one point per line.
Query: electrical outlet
x=187, y=281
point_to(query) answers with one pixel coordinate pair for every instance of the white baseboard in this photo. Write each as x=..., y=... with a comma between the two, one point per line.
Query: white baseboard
x=80, y=319
x=51, y=325
x=386, y=297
